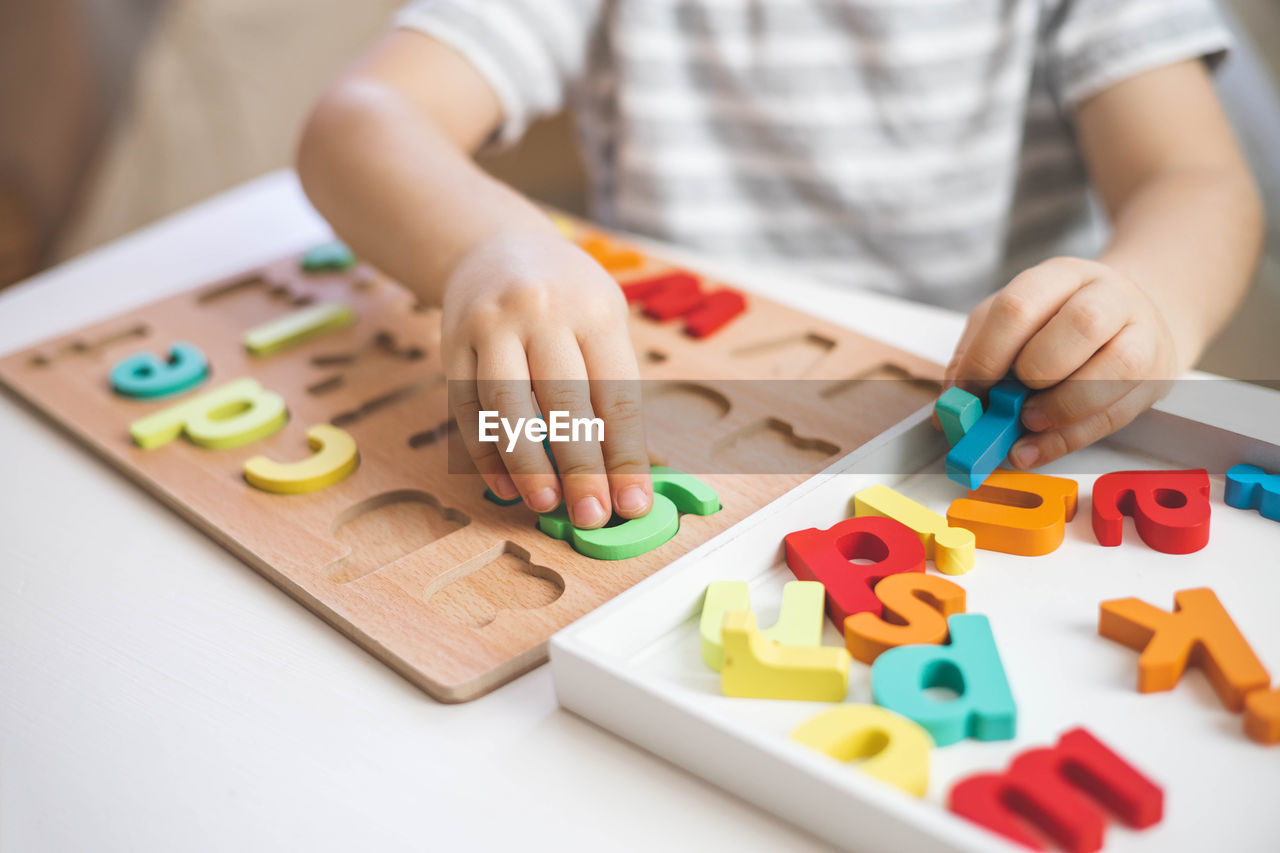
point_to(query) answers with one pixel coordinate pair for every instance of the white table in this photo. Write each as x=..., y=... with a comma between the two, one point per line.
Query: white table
x=157, y=694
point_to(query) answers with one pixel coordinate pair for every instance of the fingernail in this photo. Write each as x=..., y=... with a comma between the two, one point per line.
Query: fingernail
x=543, y=500
x=632, y=499
x=504, y=488
x=587, y=512
x=1035, y=420
x=1025, y=455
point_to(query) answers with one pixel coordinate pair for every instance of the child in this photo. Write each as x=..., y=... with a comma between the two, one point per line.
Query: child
x=938, y=149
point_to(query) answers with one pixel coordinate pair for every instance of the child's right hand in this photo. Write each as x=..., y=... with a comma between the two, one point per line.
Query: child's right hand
x=528, y=314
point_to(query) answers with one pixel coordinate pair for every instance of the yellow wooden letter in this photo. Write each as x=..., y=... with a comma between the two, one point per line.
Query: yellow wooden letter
x=301, y=325
x=799, y=619
x=230, y=415
x=950, y=548
x=893, y=748
x=757, y=668
x=335, y=457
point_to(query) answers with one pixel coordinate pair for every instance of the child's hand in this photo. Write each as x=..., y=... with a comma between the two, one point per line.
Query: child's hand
x=1068, y=319
x=530, y=315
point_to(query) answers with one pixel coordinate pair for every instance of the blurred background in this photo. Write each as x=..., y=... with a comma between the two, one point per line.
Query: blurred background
x=115, y=113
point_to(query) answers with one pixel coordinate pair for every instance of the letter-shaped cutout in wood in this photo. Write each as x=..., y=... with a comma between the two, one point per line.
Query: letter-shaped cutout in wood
x=1262, y=715
x=894, y=749
x=915, y=608
x=1017, y=512
x=334, y=457
x=1249, y=487
x=951, y=548
x=237, y=413
x=145, y=375
x=957, y=412
x=969, y=665
x=824, y=556
x=298, y=326
x=990, y=439
x=1057, y=789
x=799, y=618
x=1170, y=508
x=674, y=492
x=1198, y=631
x=756, y=668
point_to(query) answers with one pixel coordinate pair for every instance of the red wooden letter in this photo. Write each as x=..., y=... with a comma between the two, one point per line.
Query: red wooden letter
x=824, y=556
x=1053, y=788
x=1169, y=508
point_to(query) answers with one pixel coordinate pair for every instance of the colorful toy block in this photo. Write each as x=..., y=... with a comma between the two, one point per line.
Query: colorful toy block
x=1197, y=632
x=676, y=282
x=334, y=458
x=894, y=749
x=799, y=618
x=757, y=668
x=969, y=665
x=301, y=325
x=237, y=413
x=824, y=556
x=1262, y=715
x=144, y=375
x=1249, y=487
x=674, y=492
x=915, y=608
x=333, y=256
x=1057, y=789
x=1170, y=508
x=951, y=548
x=1017, y=512
x=986, y=444
x=714, y=312
x=957, y=412
x=610, y=255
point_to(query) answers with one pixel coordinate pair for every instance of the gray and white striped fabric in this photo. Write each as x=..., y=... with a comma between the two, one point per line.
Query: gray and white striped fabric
x=916, y=147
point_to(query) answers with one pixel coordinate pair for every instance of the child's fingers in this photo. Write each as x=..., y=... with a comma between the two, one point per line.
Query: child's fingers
x=1072, y=401
x=1112, y=373
x=1042, y=448
x=502, y=373
x=560, y=384
x=617, y=399
x=1015, y=314
x=971, y=325
x=1089, y=319
x=464, y=399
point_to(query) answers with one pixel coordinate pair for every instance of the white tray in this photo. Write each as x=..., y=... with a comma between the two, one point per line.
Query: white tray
x=634, y=665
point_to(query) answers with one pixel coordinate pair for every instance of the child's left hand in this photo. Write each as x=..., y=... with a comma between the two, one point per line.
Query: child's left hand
x=1068, y=319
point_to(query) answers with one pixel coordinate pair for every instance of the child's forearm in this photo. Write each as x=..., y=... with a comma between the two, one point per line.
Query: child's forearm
x=1190, y=239
x=400, y=186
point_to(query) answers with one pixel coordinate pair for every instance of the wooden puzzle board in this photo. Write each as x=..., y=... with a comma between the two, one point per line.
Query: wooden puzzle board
x=407, y=559
x=634, y=666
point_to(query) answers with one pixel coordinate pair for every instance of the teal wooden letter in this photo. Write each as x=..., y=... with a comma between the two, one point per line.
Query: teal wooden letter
x=957, y=411
x=969, y=665
x=145, y=375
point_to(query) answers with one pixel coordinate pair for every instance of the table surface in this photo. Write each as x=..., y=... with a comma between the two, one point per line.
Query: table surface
x=155, y=691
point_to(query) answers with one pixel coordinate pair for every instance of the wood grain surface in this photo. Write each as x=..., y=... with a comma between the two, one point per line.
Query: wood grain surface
x=405, y=556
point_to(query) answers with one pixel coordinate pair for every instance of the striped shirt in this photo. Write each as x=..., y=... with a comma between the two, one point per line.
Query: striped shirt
x=917, y=147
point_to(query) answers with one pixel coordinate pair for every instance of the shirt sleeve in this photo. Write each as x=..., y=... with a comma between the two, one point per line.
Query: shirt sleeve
x=529, y=51
x=1094, y=44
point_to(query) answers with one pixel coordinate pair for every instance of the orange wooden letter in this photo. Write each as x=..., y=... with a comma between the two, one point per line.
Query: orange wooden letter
x=1017, y=513
x=1198, y=632
x=915, y=608
x=1262, y=715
